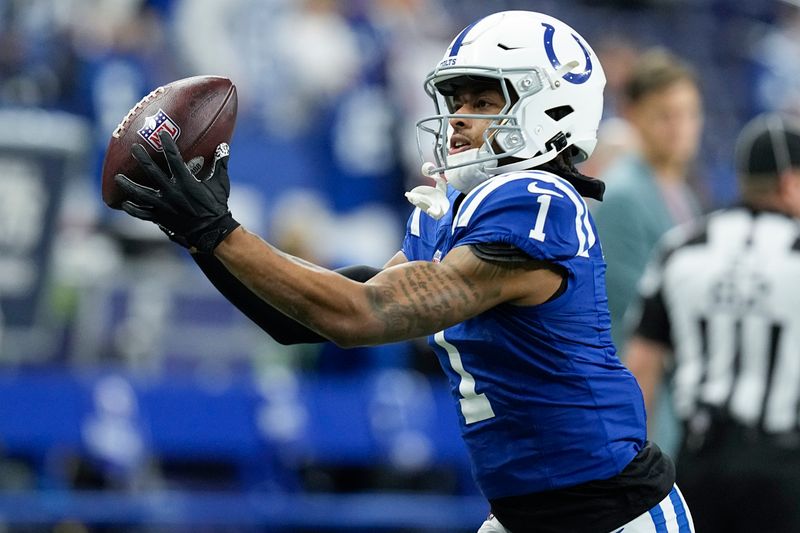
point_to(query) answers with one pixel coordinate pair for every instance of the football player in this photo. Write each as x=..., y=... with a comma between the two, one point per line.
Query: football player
x=501, y=267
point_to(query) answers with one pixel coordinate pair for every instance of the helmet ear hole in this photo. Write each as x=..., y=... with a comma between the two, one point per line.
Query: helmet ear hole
x=557, y=113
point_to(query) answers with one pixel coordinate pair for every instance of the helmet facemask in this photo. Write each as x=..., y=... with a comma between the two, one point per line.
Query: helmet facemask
x=506, y=146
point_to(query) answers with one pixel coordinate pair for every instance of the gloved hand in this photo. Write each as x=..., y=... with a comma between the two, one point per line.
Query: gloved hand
x=191, y=212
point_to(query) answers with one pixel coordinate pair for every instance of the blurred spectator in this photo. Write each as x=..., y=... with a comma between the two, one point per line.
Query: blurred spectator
x=416, y=33
x=114, y=438
x=618, y=57
x=777, y=84
x=616, y=138
x=718, y=304
x=37, y=62
x=647, y=193
x=42, y=154
x=288, y=58
x=663, y=106
x=314, y=108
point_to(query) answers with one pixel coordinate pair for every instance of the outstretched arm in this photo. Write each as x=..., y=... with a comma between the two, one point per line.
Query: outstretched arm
x=402, y=302
x=280, y=327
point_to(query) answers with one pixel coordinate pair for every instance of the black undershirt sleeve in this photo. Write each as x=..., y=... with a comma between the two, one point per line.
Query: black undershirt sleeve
x=510, y=255
x=654, y=323
x=495, y=252
x=280, y=327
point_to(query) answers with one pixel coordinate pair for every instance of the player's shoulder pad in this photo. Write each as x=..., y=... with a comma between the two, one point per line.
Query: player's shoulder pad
x=537, y=211
x=518, y=191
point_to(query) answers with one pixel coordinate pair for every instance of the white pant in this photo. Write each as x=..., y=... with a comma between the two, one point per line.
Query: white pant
x=671, y=515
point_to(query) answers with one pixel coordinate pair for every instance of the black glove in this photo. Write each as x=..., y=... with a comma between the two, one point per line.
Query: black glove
x=191, y=212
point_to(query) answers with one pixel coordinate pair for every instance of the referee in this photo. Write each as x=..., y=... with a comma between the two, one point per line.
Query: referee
x=720, y=309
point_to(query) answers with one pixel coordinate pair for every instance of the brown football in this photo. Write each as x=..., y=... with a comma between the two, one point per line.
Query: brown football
x=199, y=113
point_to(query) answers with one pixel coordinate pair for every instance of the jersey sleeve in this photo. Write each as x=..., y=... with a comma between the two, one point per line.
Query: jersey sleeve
x=538, y=213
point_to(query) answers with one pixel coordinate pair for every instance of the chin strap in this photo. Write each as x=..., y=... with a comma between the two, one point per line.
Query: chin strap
x=526, y=164
x=461, y=173
x=432, y=200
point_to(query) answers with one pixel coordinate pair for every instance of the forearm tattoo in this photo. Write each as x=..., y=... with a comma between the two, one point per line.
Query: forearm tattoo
x=424, y=298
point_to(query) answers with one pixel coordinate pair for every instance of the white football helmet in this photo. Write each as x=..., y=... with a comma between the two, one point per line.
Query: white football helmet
x=553, y=88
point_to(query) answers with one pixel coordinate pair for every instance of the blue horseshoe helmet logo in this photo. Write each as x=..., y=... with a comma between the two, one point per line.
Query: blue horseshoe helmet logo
x=577, y=79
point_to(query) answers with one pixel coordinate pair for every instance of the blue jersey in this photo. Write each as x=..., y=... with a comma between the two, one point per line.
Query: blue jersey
x=543, y=400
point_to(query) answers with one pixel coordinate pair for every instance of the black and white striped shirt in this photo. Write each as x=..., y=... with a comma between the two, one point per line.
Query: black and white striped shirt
x=725, y=296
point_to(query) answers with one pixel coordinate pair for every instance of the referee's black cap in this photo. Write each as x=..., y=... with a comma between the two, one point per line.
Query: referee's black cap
x=768, y=145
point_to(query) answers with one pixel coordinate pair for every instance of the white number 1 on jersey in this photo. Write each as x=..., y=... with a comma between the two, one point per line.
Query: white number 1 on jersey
x=538, y=229
x=475, y=407
x=583, y=225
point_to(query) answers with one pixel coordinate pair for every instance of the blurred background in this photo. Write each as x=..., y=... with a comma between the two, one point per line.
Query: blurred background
x=133, y=397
